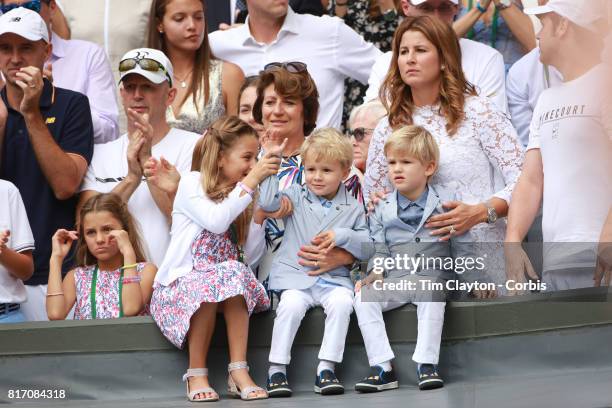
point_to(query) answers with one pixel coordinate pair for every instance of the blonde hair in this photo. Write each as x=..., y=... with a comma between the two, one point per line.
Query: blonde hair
x=219, y=138
x=328, y=144
x=414, y=141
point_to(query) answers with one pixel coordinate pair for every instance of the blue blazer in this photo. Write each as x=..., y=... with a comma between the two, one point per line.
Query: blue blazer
x=346, y=218
x=392, y=237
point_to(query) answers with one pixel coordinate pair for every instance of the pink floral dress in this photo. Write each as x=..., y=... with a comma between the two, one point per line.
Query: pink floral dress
x=107, y=293
x=217, y=275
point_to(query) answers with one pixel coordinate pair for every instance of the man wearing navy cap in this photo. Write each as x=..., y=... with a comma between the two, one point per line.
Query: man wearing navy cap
x=47, y=142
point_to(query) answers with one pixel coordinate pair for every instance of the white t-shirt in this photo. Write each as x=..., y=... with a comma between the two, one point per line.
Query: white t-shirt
x=109, y=166
x=568, y=127
x=526, y=80
x=483, y=66
x=14, y=218
x=331, y=50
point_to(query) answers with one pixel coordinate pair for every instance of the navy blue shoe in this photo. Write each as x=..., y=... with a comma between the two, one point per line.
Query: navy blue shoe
x=278, y=386
x=428, y=376
x=327, y=384
x=377, y=380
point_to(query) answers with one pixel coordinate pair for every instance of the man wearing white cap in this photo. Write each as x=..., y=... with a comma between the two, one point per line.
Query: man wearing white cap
x=47, y=141
x=146, y=92
x=569, y=155
x=482, y=65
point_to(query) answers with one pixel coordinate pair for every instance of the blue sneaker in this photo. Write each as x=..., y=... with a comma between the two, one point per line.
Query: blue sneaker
x=278, y=386
x=377, y=380
x=428, y=376
x=327, y=384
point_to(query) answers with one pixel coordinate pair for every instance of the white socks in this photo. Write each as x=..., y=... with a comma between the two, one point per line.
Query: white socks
x=326, y=365
x=386, y=365
x=276, y=368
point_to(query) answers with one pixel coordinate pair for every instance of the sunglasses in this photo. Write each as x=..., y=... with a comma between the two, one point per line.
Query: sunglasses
x=33, y=5
x=360, y=133
x=147, y=64
x=294, y=67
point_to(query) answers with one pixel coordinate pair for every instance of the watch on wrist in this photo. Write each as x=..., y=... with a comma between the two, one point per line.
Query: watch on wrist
x=503, y=4
x=491, y=213
x=390, y=14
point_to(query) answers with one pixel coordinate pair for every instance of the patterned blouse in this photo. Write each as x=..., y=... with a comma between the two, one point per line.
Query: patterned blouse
x=197, y=118
x=107, y=293
x=376, y=30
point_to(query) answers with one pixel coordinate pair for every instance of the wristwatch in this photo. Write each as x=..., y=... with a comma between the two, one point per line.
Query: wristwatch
x=390, y=15
x=503, y=4
x=491, y=213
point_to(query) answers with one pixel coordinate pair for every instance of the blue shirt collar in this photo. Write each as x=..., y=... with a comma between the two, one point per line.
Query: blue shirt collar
x=404, y=202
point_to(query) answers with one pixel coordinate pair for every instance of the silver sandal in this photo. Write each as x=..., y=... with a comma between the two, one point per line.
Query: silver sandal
x=233, y=389
x=199, y=372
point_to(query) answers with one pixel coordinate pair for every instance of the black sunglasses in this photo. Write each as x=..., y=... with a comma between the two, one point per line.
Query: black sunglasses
x=147, y=64
x=360, y=133
x=294, y=67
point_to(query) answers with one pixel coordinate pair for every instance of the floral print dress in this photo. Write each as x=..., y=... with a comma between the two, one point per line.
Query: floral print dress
x=218, y=274
x=107, y=293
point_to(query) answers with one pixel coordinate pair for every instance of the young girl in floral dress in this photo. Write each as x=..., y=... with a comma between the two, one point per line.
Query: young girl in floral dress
x=112, y=278
x=214, y=243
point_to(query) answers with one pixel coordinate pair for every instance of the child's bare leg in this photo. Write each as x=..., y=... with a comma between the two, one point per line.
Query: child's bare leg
x=198, y=338
x=237, y=323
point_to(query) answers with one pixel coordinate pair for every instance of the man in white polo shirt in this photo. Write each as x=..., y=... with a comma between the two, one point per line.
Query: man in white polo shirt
x=569, y=155
x=146, y=91
x=483, y=66
x=274, y=33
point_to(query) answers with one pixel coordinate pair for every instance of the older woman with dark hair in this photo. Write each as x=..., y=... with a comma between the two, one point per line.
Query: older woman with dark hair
x=287, y=106
x=480, y=155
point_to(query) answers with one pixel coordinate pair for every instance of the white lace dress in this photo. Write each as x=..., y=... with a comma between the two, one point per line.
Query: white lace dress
x=481, y=161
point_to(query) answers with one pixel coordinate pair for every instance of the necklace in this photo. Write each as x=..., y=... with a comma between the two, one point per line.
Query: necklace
x=182, y=81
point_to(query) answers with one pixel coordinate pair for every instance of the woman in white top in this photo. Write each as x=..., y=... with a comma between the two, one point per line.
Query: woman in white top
x=480, y=156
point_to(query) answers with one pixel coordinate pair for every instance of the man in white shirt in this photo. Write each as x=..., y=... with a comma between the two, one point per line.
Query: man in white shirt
x=483, y=66
x=81, y=66
x=274, y=33
x=146, y=91
x=526, y=80
x=569, y=155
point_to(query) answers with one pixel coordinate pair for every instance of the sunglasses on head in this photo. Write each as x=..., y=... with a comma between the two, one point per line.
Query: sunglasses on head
x=33, y=5
x=360, y=133
x=147, y=64
x=293, y=66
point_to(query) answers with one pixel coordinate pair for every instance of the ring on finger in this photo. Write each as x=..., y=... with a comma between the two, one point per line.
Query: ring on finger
x=452, y=230
x=316, y=264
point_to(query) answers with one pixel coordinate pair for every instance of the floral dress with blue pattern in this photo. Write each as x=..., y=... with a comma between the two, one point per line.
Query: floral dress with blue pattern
x=107, y=292
x=218, y=274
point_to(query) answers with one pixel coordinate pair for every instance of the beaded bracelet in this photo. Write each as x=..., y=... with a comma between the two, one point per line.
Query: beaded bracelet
x=124, y=267
x=131, y=279
x=480, y=8
x=246, y=188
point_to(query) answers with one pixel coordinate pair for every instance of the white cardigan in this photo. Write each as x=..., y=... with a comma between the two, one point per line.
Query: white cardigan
x=193, y=211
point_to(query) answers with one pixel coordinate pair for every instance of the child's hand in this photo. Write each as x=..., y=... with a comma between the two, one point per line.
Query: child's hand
x=325, y=241
x=162, y=174
x=62, y=241
x=4, y=236
x=122, y=239
x=270, y=139
x=268, y=165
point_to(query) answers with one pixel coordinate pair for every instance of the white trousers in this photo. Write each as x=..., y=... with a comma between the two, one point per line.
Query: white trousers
x=430, y=321
x=337, y=302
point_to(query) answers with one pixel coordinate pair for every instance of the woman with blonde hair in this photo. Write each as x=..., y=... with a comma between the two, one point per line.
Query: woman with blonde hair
x=480, y=155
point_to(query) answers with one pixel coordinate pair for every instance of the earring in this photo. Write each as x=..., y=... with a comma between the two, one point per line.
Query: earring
x=161, y=31
x=442, y=68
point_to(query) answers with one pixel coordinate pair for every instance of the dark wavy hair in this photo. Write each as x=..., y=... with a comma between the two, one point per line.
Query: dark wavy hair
x=290, y=85
x=396, y=95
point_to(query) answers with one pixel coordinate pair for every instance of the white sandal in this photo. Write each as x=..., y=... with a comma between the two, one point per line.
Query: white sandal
x=199, y=372
x=233, y=389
